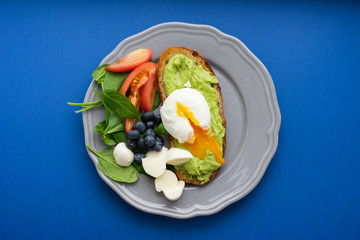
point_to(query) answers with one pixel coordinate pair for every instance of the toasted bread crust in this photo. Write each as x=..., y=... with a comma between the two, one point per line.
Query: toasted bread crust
x=199, y=60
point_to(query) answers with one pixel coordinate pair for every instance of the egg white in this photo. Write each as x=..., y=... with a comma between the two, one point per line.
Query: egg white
x=177, y=126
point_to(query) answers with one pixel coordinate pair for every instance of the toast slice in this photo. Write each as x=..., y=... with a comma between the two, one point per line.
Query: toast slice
x=199, y=60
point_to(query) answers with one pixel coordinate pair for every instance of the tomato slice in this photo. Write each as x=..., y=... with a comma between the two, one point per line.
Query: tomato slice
x=134, y=84
x=131, y=61
x=135, y=99
x=138, y=77
x=147, y=93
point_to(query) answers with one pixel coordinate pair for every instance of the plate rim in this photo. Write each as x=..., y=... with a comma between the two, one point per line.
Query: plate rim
x=274, y=129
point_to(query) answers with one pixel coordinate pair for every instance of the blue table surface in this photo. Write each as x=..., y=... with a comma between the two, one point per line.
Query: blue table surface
x=49, y=186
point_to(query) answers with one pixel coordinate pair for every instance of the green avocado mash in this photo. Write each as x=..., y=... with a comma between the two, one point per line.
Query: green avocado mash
x=178, y=71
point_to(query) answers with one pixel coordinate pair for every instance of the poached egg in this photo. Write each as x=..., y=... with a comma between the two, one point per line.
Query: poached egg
x=186, y=116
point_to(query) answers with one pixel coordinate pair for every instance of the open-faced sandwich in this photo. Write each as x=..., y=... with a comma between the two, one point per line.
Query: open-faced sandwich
x=192, y=112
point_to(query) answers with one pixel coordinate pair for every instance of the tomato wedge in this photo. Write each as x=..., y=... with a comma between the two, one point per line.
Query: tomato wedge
x=134, y=84
x=138, y=77
x=135, y=99
x=131, y=61
x=147, y=93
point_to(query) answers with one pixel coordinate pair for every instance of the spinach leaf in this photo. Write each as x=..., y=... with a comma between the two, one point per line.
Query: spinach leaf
x=114, y=123
x=107, y=109
x=99, y=96
x=108, y=166
x=111, y=129
x=99, y=73
x=109, y=80
x=107, y=138
x=156, y=100
x=139, y=167
x=112, y=137
x=113, y=81
x=160, y=130
x=100, y=127
x=119, y=136
x=86, y=106
x=120, y=104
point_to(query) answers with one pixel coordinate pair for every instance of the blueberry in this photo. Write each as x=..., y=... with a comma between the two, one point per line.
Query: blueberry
x=138, y=157
x=133, y=134
x=150, y=124
x=147, y=116
x=140, y=126
x=157, y=118
x=159, y=139
x=150, y=132
x=141, y=143
x=158, y=146
x=149, y=141
x=130, y=144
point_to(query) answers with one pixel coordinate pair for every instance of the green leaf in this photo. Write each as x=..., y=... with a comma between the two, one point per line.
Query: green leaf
x=107, y=138
x=108, y=166
x=100, y=127
x=117, y=128
x=111, y=127
x=109, y=80
x=119, y=136
x=120, y=104
x=99, y=74
x=99, y=96
x=113, y=81
x=139, y=167
x=86, y=106
x=156, y=100
x=114, y=124
x=160, y=130
x=108, y=111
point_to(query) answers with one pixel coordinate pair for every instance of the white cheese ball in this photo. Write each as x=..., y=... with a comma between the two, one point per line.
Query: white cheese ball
x=155, y=167
x=166, y=181
x=176, y=156
x=175, y=192
x=123, y=156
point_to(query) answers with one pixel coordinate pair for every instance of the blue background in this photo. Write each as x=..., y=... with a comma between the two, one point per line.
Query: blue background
x=49, y=187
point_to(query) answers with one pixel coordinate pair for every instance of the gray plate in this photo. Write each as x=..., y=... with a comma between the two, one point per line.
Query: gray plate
x=251, y=110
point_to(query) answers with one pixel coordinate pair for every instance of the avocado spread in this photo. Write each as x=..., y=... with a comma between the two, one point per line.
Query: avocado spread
x=178, y=71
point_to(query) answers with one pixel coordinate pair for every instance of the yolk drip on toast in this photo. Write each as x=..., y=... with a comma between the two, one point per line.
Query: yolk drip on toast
x=201, y=141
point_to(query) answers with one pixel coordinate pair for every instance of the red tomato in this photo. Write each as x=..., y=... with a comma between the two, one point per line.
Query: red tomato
x=147, y=93
x=136, y=81
x=135, y=99
x=138, y=77
x=131, y=61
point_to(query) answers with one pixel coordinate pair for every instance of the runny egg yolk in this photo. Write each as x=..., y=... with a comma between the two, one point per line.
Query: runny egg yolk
x=201, y=141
